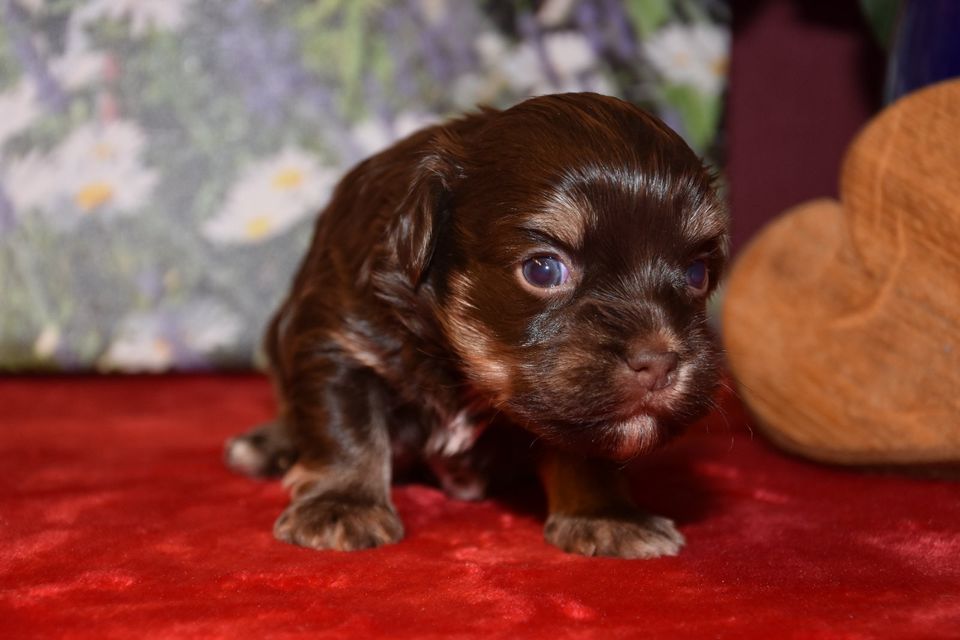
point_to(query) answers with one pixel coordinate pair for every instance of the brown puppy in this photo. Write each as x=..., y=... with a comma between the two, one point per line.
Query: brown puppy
x=527, y=282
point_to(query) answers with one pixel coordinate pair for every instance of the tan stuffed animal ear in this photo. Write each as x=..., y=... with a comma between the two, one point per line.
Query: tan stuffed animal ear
x=842, y=319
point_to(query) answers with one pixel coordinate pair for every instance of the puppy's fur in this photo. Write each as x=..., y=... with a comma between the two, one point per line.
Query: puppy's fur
x=411, y=331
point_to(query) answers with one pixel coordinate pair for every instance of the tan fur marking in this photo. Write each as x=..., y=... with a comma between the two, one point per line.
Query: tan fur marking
x=454, y=437
x=300, y=480
x=709, y=222
x=359, y=349
x=473, y=344
x=565, y=219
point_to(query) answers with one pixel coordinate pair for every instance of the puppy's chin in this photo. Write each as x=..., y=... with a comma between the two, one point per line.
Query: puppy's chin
x=620, y=440
x=632, y=437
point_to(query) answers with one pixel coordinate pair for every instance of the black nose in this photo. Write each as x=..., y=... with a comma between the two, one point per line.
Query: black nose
x=655, y=370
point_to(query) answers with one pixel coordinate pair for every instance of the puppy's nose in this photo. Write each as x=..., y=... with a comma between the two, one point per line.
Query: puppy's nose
x=655, y=370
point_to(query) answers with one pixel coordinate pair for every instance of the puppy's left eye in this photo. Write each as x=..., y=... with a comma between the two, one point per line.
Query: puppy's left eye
x=698, y=276
x=545, y=272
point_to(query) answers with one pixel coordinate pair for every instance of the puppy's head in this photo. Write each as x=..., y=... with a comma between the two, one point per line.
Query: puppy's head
x=571, y=243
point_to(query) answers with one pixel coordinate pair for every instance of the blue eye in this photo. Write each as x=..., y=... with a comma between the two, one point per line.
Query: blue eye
x=545, y=272
x=698, y=276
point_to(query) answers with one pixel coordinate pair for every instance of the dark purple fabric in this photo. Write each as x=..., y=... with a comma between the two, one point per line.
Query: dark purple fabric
x=805, y=76
x=926, y=46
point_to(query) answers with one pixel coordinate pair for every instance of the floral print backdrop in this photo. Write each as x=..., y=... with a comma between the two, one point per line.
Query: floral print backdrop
x=161, y=160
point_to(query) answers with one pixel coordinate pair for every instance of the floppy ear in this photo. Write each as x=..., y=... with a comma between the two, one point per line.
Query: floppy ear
x=425, y=208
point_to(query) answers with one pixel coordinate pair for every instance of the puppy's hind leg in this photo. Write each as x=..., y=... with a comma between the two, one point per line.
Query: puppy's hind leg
x=262, y=452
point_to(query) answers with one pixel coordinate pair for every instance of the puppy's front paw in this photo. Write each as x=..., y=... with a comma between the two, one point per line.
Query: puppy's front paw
x=624, y=535
x=324, y=522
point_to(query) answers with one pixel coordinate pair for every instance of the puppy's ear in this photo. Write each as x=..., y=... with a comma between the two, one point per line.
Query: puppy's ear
x=425, y=208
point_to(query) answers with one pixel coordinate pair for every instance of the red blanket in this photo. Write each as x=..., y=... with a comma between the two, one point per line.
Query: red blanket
x=117, y=519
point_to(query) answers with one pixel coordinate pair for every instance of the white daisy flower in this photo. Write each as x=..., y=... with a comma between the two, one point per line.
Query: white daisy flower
x=95, y=170
x=32, y=6
x=484, y=85
x=522, y=68
x=28, y=181
x=434, y=10
x=155, y=341
x=98, y=168
x=139, y=346
x=695, y=55
x=471, y=89
x=270, y=197
x=207, y=326
x=568, y=53
x=47, y=342
x=18, y=110
x=110, y=145
x=491, y=47
x=143, y=15
x=77, y=68
x=553, y=13
x=375, y=135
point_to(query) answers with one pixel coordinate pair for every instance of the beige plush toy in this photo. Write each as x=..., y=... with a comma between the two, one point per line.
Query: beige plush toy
x=842, y=319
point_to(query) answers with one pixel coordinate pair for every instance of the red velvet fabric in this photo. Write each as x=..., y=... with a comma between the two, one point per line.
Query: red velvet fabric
x=119, y=520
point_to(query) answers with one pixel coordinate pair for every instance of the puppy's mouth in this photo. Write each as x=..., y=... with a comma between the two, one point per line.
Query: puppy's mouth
x=631, y=421
x=645, y=424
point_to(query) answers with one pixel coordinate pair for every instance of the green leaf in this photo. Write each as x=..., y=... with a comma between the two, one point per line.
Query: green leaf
x=882, y=16
x=336, y=39
x=648, y=15
x=700, y=113
x=9, y=66
x=353, y=45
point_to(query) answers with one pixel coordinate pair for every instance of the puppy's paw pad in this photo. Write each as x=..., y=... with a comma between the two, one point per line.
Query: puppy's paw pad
x=321, y=522
x=634, y=535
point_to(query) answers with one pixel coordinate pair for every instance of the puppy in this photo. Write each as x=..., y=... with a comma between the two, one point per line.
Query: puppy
x=514, y=287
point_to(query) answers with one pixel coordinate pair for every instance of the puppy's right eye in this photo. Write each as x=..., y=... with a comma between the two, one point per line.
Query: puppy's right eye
x=698, y=276
x=545, y=272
